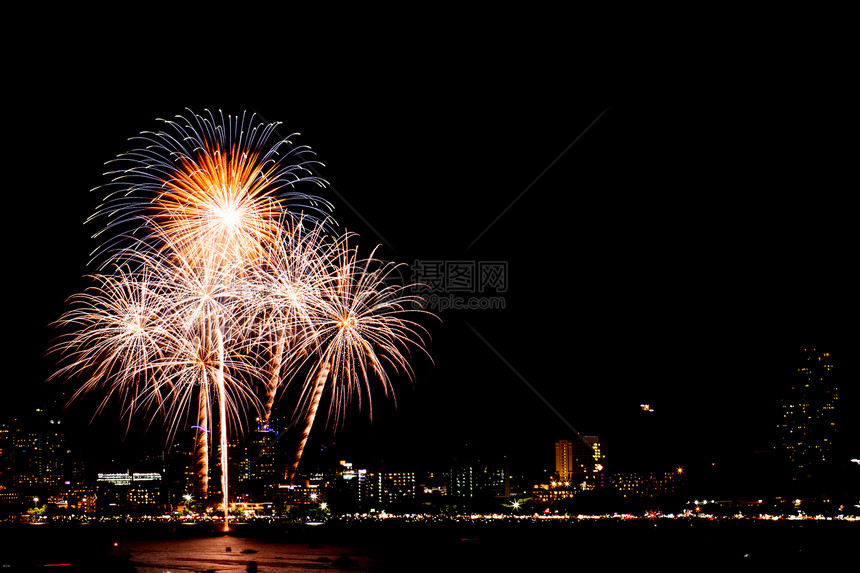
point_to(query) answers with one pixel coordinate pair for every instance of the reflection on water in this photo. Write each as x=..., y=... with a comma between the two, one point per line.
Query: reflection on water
x=389, y=546
x=238, y=554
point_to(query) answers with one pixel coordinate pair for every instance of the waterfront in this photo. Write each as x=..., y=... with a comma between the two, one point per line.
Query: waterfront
x=429, y=545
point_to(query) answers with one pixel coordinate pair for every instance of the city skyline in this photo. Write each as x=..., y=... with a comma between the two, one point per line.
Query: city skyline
x=672, y=246
x=804, y=460
x=633, y=256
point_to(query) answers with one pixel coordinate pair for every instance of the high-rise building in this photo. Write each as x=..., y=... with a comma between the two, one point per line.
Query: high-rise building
x=808, y=417
x=265, y=469
x=579, y=461
x=38, y=453
x=476, y=479
x=564, y=460
x=130, y=492
x=181, y=469
x=388, y=488
x=645, y=485
x=5, y=456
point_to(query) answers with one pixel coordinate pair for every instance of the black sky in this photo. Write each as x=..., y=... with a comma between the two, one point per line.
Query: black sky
x=698, y=233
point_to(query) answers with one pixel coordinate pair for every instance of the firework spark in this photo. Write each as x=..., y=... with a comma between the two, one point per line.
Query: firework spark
x=361, y=332
x=213, y=194
x=286, y=285
x=219, y=277
x=165, y=338
x=213, y=189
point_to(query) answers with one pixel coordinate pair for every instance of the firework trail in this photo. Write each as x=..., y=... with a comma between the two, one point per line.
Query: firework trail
x=201, y=443
x=286, y=284
x=169, y=338
x=213, y=193
x=216, y=274
x=318, y=388
x=360, y=328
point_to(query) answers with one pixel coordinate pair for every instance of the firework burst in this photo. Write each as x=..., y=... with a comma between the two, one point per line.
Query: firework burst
x=219, y=278
x=213, y=189
x=360, y=334
x=164, y=339
x=285, y=286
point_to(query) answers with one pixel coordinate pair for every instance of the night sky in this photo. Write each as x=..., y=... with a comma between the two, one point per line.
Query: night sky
x=672, y=237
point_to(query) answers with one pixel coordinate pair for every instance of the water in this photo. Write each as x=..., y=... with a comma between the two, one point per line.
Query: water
x=388, y=545
x=158, y=548
x=157, y=556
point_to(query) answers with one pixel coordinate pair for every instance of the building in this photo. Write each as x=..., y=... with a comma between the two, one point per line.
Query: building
x=299, y=494
x=388, y=488
x=264, y=471
x=564, y=460
x=73, y=499
x=807, y=426
x=645, y=485
x=136, y=493
x=477, y=480
x=548, y=494
x=37, y=452
x=461, y=482
x=181, y=471
x=579, y=462
x=5, y=457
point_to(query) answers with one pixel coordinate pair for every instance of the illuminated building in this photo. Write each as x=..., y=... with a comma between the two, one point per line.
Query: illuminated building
x=553, y=492
x=475, y=479
x=461, y=482
x=37, y=453
x=73, y=499
x=123, y=478
x=130, y=492
x=5, y=456
x=261, y=454
x=807, y=425
x=564, y=459
x=181, y=471
x=300, y=494
x=387, y=488
x=361, y=484
x=27, y=459
x=579, y=461
x=36, y=462
x=256, y=464
x=434, y=484
x=645, y=485
x=253, y=508
x=346, y=487
x=240, y=470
